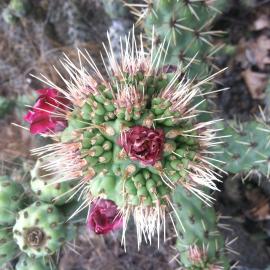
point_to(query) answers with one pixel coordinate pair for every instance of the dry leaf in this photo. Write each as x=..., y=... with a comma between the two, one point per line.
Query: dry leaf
x=261, y=211
x=259, y=204
x=262, y=22
x=256, y=83
x=261, y=48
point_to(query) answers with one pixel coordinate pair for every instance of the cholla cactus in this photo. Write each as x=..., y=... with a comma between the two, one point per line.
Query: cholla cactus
x=246, y=147
x=201, y=246
x=186, y=27
x=131, y=136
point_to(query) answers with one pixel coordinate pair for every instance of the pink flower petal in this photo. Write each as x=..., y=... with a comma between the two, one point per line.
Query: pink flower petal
x=41, y=126
x=43, y=116
x=104, y=217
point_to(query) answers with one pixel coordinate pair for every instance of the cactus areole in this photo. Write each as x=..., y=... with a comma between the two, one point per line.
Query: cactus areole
x=35, y=237
x=132, y=135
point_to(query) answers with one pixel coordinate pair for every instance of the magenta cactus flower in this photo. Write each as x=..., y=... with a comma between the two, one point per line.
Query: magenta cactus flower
x=104, y=217
x=143, y=144
x=48, y=113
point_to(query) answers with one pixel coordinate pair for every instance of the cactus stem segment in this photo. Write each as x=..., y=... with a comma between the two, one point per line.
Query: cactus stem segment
x=133, y=136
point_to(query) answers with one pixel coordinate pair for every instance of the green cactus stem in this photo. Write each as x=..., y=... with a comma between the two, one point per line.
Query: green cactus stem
x=27, y=263
x=200, y=244
x=133, y=136
x=186, y=27
x=246, y=147
x=11, y=200
x=45, y=190
x=39, y=230
x=8, y=247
